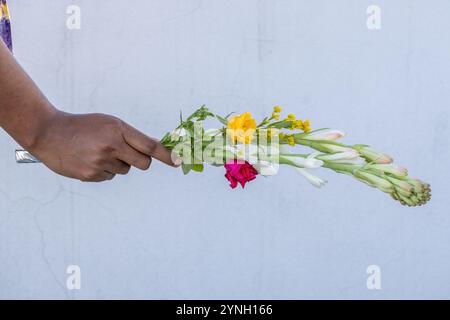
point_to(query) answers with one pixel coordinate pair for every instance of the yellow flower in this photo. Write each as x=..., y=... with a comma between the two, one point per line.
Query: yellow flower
x=4, y=12
x=241, y=128
x=275, y=115
x=291, y=140
x=277, y=109
x=291, y=117
x=297, y=124
x=306, y=126
x=282, y=136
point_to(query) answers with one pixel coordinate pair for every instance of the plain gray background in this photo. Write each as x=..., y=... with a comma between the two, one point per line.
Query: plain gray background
x=160, y=235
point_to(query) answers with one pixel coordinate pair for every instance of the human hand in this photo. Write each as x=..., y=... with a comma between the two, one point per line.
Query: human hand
x=96, y=147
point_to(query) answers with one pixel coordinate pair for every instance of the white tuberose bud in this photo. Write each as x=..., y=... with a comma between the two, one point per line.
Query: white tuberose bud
x=309, y=162
x=389, y=168
x=324, y=135
x=373, y=155
x=314, y=180
x=345, y=155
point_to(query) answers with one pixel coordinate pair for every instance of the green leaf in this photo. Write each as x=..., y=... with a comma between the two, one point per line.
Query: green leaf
x=223, y=120
x=186, y=168
x=228, y=115
x=264, y=122
x=200, y=114
x=281, y=124
x=198, y=167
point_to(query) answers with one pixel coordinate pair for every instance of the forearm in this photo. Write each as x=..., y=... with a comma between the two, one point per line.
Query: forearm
x=24, y=110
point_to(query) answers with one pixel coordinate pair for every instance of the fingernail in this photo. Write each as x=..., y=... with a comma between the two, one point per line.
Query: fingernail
x=177, y=161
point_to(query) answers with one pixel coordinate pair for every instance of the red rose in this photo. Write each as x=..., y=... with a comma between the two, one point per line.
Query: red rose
x=240, y=172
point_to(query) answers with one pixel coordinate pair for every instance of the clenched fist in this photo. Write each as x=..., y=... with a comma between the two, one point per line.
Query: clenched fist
x=95, y=147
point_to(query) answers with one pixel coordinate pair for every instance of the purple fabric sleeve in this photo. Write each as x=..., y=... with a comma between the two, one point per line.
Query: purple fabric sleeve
x=5, y=24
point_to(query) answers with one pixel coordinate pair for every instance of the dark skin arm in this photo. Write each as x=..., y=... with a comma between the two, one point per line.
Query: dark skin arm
x=88, y=147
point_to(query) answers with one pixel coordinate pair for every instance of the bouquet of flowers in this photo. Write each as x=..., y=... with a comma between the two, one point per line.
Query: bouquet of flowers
x=247, y=149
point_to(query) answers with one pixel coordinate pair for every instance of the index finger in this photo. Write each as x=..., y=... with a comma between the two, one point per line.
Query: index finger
x=149, y=146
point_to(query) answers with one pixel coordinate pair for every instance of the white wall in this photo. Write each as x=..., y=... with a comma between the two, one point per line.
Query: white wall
x=161, y=235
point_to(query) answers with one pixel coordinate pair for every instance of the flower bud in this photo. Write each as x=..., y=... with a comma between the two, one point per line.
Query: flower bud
x=345, y=155
x=373, y=155
x=324, y=135
x=330, y=148
x=376, y=181
x=310, y=162
x=389, y=168
x=314, y=180
x=401, y=184
x=417, y=184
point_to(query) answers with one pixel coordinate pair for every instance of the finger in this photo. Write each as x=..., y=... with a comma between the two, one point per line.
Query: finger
x=99, y=176
x=108, y=176
x=118, y=167
x=149, y=146
x=134, y=158
x=166, y=156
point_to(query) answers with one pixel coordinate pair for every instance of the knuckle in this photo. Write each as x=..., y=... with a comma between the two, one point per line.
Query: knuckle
x=113, y=124
x=89, y=175
x=118, y=124
x=106, y=149
x=98, y=160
